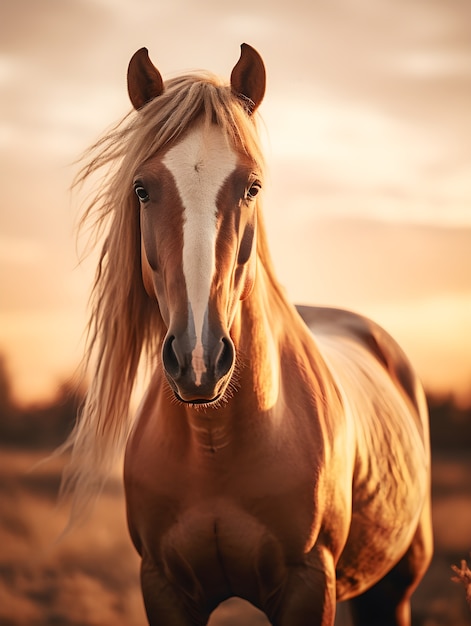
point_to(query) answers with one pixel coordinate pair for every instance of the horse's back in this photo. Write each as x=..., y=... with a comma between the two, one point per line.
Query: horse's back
x=334, y=328
x=374, y=376
x=385, y=404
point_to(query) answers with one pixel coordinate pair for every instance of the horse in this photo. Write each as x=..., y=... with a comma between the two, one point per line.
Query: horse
x=280, y=454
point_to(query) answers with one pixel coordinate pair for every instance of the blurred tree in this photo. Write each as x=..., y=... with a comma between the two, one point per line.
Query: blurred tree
x=8, y=409
x=6, y=402
x=450, y=424
x=43, y=425
x=47, y=425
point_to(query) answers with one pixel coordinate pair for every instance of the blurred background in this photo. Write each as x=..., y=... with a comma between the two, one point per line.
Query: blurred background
x=367, y=127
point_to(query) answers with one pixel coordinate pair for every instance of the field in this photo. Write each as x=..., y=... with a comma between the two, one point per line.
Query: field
x=90, y=578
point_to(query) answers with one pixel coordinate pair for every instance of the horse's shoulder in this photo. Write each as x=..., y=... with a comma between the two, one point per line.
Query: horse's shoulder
x=341, y=323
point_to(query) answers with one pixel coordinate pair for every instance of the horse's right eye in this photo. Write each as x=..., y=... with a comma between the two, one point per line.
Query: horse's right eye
x=141, y=193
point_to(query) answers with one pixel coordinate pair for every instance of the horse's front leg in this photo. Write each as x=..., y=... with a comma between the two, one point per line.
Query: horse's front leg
x=308, y=596
x=164, y=605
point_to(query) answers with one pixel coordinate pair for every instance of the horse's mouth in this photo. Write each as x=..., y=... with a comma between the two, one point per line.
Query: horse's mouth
x=199, y=402
x=200, y=396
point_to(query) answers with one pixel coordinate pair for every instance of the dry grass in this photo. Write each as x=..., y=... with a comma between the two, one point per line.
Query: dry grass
x=91, y=578
x=463, y=577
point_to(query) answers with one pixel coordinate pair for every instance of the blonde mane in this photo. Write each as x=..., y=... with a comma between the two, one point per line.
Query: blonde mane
x=125, y=326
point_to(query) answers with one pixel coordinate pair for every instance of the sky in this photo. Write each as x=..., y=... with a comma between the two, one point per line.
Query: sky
x=366, y=126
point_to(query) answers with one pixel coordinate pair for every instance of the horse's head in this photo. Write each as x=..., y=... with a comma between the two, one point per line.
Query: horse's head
x=198, y=198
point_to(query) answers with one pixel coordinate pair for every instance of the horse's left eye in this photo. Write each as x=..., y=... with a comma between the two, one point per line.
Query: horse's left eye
x=141, y=193
x=253, y=190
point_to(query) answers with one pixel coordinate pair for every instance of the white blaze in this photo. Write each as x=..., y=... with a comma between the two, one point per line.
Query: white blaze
x=200, y=164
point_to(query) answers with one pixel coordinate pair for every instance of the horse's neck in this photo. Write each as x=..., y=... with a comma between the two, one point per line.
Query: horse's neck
x=267, y=328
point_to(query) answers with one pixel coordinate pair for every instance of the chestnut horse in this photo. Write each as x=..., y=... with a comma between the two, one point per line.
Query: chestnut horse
x=279, y=454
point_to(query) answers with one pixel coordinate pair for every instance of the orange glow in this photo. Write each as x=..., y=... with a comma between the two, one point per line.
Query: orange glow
x=369, y=191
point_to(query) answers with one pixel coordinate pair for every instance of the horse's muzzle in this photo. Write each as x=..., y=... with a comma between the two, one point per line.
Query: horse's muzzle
x=198, y=374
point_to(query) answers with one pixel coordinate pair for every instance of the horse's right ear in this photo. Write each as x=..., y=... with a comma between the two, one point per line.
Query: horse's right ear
x=144, y=80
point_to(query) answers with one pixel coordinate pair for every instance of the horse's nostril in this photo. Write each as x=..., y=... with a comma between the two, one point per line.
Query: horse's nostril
x=195, y=373
x=225, y=358
x=169, y=357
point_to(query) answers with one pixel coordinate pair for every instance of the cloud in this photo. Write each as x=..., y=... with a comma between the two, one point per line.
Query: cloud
x=20, y=251
x=358, y=261
x=367, y=111
x=414, y=279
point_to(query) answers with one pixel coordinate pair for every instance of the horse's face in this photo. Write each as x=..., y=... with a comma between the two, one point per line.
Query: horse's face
x=198, y=225
x=198, y=228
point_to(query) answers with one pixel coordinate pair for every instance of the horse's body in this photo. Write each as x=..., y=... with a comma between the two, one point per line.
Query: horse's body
x=279, y=455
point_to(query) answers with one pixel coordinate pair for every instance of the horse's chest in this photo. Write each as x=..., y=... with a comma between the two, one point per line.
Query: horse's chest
x=220, y=550
x=220, y=534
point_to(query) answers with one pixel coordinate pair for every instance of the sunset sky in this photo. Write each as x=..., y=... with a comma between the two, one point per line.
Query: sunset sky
x=367, y=123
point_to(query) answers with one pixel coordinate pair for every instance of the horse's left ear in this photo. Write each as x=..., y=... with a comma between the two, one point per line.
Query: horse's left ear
x=144, y=80
x=248, y=78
